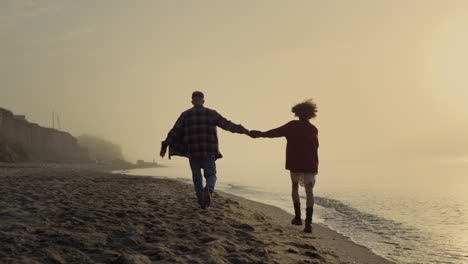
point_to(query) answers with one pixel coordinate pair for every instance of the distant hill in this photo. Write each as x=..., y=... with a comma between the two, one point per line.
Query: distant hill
x=100, y=149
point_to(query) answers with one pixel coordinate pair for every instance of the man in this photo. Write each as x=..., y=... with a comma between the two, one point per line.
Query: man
x=194, y=136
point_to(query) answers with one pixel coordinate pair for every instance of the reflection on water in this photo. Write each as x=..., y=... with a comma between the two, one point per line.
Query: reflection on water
x=408, y=212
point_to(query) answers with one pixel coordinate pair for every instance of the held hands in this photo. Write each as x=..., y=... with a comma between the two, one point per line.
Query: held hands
x=244, y=130
x=251, y=133
x=254, y=134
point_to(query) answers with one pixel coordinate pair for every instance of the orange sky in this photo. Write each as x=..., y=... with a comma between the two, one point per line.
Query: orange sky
x=389, y=77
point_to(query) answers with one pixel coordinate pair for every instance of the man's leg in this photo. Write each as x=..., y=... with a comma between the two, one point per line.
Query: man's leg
x=209, y=170
x=195, y=165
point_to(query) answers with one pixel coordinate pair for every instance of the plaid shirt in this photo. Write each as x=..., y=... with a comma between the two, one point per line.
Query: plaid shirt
x=194, y=134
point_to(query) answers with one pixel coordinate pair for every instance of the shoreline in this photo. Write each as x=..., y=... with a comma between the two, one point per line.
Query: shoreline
x=83, y=166
x=80, y=215
x=286, y=218
x=327, y=239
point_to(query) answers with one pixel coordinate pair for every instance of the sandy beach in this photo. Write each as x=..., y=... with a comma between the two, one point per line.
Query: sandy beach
x=76, y=215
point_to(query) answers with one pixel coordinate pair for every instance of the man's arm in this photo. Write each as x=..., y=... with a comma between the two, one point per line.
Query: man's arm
x=227, y=125
x=176, y=133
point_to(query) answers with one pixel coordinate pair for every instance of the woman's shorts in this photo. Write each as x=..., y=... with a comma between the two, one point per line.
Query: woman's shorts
x=303, y=178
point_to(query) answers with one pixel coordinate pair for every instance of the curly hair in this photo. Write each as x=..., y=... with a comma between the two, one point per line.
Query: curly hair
x=305, y=110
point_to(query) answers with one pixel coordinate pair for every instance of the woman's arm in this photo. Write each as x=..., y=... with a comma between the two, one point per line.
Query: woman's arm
x=273, y=133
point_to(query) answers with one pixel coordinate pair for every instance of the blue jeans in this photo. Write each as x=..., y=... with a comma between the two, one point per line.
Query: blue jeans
x=209, y=170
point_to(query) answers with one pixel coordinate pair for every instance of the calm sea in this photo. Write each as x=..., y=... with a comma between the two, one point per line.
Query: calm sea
x=405, y=211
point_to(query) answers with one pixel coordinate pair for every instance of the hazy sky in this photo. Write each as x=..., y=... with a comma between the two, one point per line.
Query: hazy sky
x=389, y=77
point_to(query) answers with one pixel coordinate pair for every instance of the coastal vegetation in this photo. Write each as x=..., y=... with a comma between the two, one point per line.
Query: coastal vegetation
x=13, y=152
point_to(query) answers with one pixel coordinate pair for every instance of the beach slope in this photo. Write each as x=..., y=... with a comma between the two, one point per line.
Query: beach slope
x=73, y=215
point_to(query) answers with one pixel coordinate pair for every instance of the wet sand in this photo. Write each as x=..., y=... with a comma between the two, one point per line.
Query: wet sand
x=76, y=215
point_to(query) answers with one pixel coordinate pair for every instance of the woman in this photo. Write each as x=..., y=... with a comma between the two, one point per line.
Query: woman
x=301, y=156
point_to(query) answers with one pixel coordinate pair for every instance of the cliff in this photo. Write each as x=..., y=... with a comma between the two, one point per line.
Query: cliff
x=21, y=140
x=100, y=149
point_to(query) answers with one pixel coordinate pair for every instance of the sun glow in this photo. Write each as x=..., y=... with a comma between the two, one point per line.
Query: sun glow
x=446, y=65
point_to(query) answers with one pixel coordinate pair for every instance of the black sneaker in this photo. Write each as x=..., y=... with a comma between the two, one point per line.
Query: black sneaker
x=207, y=197
x=296, y=221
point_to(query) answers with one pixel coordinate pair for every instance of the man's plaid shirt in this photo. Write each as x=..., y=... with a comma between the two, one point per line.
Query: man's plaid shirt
x=194, y=134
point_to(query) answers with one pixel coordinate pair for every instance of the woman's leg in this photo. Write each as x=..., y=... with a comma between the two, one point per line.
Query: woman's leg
x=295, y=192
x=309, y=190
x=295, y=197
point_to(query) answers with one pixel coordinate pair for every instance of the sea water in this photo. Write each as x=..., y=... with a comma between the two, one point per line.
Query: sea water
x=413, y=211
